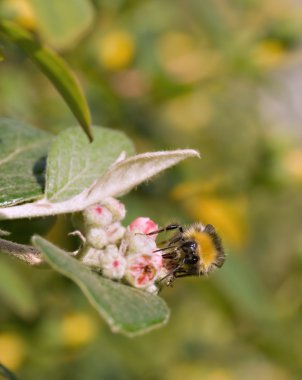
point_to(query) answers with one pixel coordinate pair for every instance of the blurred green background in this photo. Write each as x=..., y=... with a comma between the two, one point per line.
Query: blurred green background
x=220, y=76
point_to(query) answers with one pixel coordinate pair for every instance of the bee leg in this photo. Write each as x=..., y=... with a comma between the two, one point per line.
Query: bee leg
x=167, y=280
x=171, y=276
x=183, y=274
x=165, y=248
x=176, y=239
x=170, y=279
x=167, y=228
x=168, y=244
x=170, y=255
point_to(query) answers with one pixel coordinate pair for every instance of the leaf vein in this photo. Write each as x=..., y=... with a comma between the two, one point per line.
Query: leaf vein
x=20, y=150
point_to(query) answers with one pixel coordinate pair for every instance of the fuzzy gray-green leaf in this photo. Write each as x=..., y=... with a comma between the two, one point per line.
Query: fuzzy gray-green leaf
x=22, y=162
x=73, y=164
x=127, y=310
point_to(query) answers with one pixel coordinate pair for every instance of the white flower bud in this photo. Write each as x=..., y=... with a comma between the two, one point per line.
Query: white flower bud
x=141, y=244
x=96, y=237
x=116, y=207
x=113, y=264
x=97, y=216
x=90, y=256
x=115, y=232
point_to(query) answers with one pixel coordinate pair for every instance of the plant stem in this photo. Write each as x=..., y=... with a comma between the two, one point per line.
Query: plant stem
x=25, y=253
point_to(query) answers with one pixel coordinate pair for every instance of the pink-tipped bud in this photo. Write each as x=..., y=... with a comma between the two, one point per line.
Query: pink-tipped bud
x=113, y=264
x=143, y=270
x=115, y=232
x=116, y=207
x=96, y=237
x=97, y=216
x=144, y=226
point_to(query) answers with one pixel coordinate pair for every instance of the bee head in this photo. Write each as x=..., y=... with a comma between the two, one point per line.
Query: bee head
x=208, y=248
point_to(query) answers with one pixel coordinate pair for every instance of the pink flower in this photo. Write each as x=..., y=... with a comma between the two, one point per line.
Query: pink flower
x=143, y=270
x=144, y=226
x=113, y=264
x=143, y=262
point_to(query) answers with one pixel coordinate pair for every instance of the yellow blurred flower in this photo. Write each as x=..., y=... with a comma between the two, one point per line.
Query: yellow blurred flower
x=188, y=112
x=276, y=9
x=78, y=329
x=185, y=371
x=117, y=49
x=21, y=12
x=190, y=188
x=184, y=59
x=11, y=350
x=268, y=54
x=292, y=163
x=220, y=374
x=228, y=215
x=196, y=372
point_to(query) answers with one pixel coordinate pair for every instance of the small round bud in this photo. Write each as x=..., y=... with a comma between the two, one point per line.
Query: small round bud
x=96, y=237
x=141, y=244
x=113, y=264
x=144, y=226
x=90, y=256
x=116, y=207
x=97, y=216
x=115, y=232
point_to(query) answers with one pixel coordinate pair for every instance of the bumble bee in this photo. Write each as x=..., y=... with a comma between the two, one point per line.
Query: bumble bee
x=192, y=251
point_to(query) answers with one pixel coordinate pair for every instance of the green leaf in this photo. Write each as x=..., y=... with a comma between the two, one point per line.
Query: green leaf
x=62, y=23
x=15, y=290
x=121, y=177
x=73, y=164
x=54, y=68
x=22, y=162
x=127, y=310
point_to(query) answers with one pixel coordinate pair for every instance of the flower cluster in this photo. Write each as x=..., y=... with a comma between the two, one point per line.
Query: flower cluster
x=126, y=254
